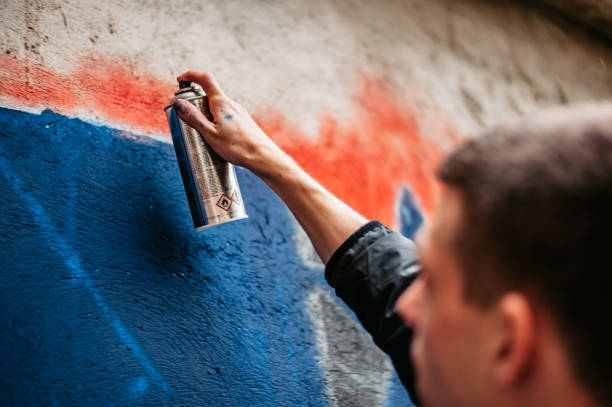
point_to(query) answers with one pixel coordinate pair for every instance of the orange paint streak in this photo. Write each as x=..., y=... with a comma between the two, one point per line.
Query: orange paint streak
x=102, y=87
x=363, y=162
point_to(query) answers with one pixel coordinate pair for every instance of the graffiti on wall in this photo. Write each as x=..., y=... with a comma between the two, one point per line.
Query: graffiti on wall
x=380, y=149
x=109, y=294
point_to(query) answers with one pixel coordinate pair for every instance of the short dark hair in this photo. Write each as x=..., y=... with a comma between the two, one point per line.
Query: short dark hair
x=538, y=218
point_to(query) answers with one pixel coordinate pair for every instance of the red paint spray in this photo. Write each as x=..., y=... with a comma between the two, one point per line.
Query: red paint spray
x=363, y=162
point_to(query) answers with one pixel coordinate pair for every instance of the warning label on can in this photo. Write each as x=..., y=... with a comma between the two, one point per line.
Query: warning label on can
x=224, y=202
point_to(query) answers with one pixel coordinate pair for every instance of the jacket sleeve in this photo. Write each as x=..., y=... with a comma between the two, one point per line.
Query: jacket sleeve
x=369, y=271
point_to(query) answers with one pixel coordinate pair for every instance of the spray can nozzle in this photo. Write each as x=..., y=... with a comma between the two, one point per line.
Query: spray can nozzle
x=184, y=84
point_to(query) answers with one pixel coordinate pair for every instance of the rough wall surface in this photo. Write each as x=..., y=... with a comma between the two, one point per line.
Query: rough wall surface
x=594, y=14
x=109, y=297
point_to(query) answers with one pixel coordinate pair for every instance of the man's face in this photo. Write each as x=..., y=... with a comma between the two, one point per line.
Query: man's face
x=449, y=349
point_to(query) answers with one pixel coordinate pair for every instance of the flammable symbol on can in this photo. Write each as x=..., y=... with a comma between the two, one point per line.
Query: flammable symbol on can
x=225, y=202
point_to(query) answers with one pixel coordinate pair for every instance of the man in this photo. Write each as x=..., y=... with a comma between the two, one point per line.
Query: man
x=507, y=304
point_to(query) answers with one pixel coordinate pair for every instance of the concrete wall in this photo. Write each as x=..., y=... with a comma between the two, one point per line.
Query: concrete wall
x=109, y=297
x=594, y=15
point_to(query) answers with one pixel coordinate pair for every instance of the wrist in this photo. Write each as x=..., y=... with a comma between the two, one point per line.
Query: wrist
x=271, y=163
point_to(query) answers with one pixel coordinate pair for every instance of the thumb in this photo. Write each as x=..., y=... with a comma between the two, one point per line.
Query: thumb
x=194, y=117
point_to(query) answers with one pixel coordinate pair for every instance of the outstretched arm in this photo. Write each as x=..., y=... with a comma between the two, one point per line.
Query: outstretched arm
x=235, y=136
x=371, y=266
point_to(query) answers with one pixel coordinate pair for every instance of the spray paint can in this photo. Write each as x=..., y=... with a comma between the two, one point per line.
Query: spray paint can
x=210, y=181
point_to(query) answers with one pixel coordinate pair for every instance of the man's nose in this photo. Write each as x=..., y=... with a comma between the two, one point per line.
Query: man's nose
x=408, y=305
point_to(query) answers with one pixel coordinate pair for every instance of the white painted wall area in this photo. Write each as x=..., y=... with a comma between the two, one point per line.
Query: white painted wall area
x=478, y=62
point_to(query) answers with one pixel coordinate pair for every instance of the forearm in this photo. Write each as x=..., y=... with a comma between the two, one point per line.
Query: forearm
x=328, y=222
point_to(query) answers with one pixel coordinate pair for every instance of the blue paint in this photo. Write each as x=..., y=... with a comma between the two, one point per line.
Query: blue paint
x=397, y=395
x=410, y=214
x=139, y=387
x=228, y=116
x=410, y=220
x=109, y=297
x=74, y=264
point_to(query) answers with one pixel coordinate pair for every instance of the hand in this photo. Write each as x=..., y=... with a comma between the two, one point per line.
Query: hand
x=233, y=133
x=236, y=137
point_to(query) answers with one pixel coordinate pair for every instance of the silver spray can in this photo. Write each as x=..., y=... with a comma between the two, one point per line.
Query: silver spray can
x=210, y=181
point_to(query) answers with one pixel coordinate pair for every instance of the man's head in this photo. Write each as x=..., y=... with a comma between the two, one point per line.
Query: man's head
x=512, y=307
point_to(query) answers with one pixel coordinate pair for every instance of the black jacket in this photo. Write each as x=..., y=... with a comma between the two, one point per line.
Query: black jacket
x=369, y=272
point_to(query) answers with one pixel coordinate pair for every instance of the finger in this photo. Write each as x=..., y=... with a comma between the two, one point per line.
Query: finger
x=205, y=79
x=194, y=117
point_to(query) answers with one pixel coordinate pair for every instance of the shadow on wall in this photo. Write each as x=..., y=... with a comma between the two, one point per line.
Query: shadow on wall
x=109, y=295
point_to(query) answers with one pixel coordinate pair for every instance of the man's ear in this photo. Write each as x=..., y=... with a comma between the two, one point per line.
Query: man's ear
x=516, y=349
